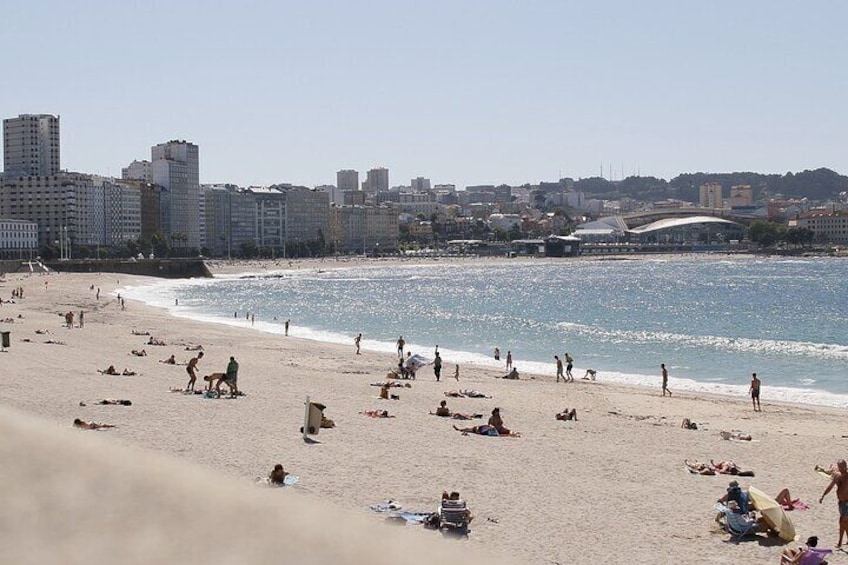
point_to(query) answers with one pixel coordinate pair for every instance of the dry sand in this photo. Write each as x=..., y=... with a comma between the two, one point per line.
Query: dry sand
x=610, y=488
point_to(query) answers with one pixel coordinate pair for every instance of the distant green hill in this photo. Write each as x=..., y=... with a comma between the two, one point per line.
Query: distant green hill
x=820, y=184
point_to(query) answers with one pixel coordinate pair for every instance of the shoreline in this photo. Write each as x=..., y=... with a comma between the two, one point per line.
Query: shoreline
x=541, y=370
x=611, y=471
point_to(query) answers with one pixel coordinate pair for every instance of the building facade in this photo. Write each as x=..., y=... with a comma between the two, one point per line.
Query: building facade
x=175, y=166
x=31, y=145
x=18, y=239
x=307, y=215
x=347, y=179
x=828, y=226
x=363, y=229
x=377, y=180
x=138, y=170
x=710, y=194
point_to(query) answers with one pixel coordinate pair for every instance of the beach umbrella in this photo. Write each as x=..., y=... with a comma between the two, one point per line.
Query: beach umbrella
x=773, y=513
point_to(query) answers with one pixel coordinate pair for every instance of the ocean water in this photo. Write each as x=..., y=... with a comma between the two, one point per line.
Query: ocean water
x=712, y=321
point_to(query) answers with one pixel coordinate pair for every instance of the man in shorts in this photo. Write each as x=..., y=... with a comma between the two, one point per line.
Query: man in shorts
x=755, y=393
x=839, y=479
x=191, y=369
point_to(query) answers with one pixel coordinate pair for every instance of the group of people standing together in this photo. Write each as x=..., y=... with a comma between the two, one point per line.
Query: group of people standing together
x=567, y=376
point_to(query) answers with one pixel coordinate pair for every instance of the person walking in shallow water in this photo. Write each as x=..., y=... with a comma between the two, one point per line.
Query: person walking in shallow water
x=508, y=360
x=664, y=380
x=755, y=392
x=559, y=369
x=569, y=364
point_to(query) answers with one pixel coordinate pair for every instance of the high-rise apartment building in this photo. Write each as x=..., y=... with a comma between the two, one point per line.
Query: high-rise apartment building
x=175, y=166
x=347, y=179
x=377, y=180
x=420, y=184
x=31, y=145
x=711, y=195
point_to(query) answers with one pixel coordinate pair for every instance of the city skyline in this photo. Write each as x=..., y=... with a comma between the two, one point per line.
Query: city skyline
x=486, y=93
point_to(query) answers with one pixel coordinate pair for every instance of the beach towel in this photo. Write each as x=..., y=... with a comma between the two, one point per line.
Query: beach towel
x=410, y=517
x=796, y=505
x=386, y=506
x=289, y=480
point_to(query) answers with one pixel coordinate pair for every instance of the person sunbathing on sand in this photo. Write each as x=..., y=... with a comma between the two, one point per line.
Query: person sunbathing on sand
x=512, y=375
x=688, y=424
x=730, y=468
x=445, y=412
x=484, y=430
x=567, y=414
x=128, y=373
x=139, y=353
x=278, y=475
x=785, y=499
x=83, y=425
x=377, y=413
x=155, y=341
x=110, y=370
x=170, y=360
x=699, y=468
x=110, y=401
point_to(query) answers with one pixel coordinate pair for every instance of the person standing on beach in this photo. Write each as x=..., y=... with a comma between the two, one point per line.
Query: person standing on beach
x=357, y=340
x=400, y=345
x=665, y=380
x=755, y=395
x=437, y=366
x=456, y=373
x=287, y=326
x=82, y=319
x=191, y=369
x=559, y=368
x=497, y=354
x=839, y=479
x=508, y=360
x=569, y=364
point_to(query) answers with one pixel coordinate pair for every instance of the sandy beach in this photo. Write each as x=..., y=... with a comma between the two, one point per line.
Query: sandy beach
x=609, y=488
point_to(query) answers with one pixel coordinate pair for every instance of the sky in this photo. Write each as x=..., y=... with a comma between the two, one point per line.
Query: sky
x=461, y=91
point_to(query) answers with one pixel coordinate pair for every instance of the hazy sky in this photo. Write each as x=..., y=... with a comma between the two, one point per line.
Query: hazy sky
x=464, y=92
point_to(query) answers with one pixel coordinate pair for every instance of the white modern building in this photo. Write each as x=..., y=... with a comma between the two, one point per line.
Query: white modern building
x=175, y=166
x=31, y=145
x=18, y=239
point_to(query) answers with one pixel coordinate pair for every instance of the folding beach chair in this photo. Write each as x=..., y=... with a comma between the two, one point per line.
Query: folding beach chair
x=453, y=518
x=738, y=525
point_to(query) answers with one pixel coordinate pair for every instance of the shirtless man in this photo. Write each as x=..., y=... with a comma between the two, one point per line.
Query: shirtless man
x=664, y=380
x=839, y=479
x=191, y=369
x=400, y=345
x=357, y=341
x=755, y=393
